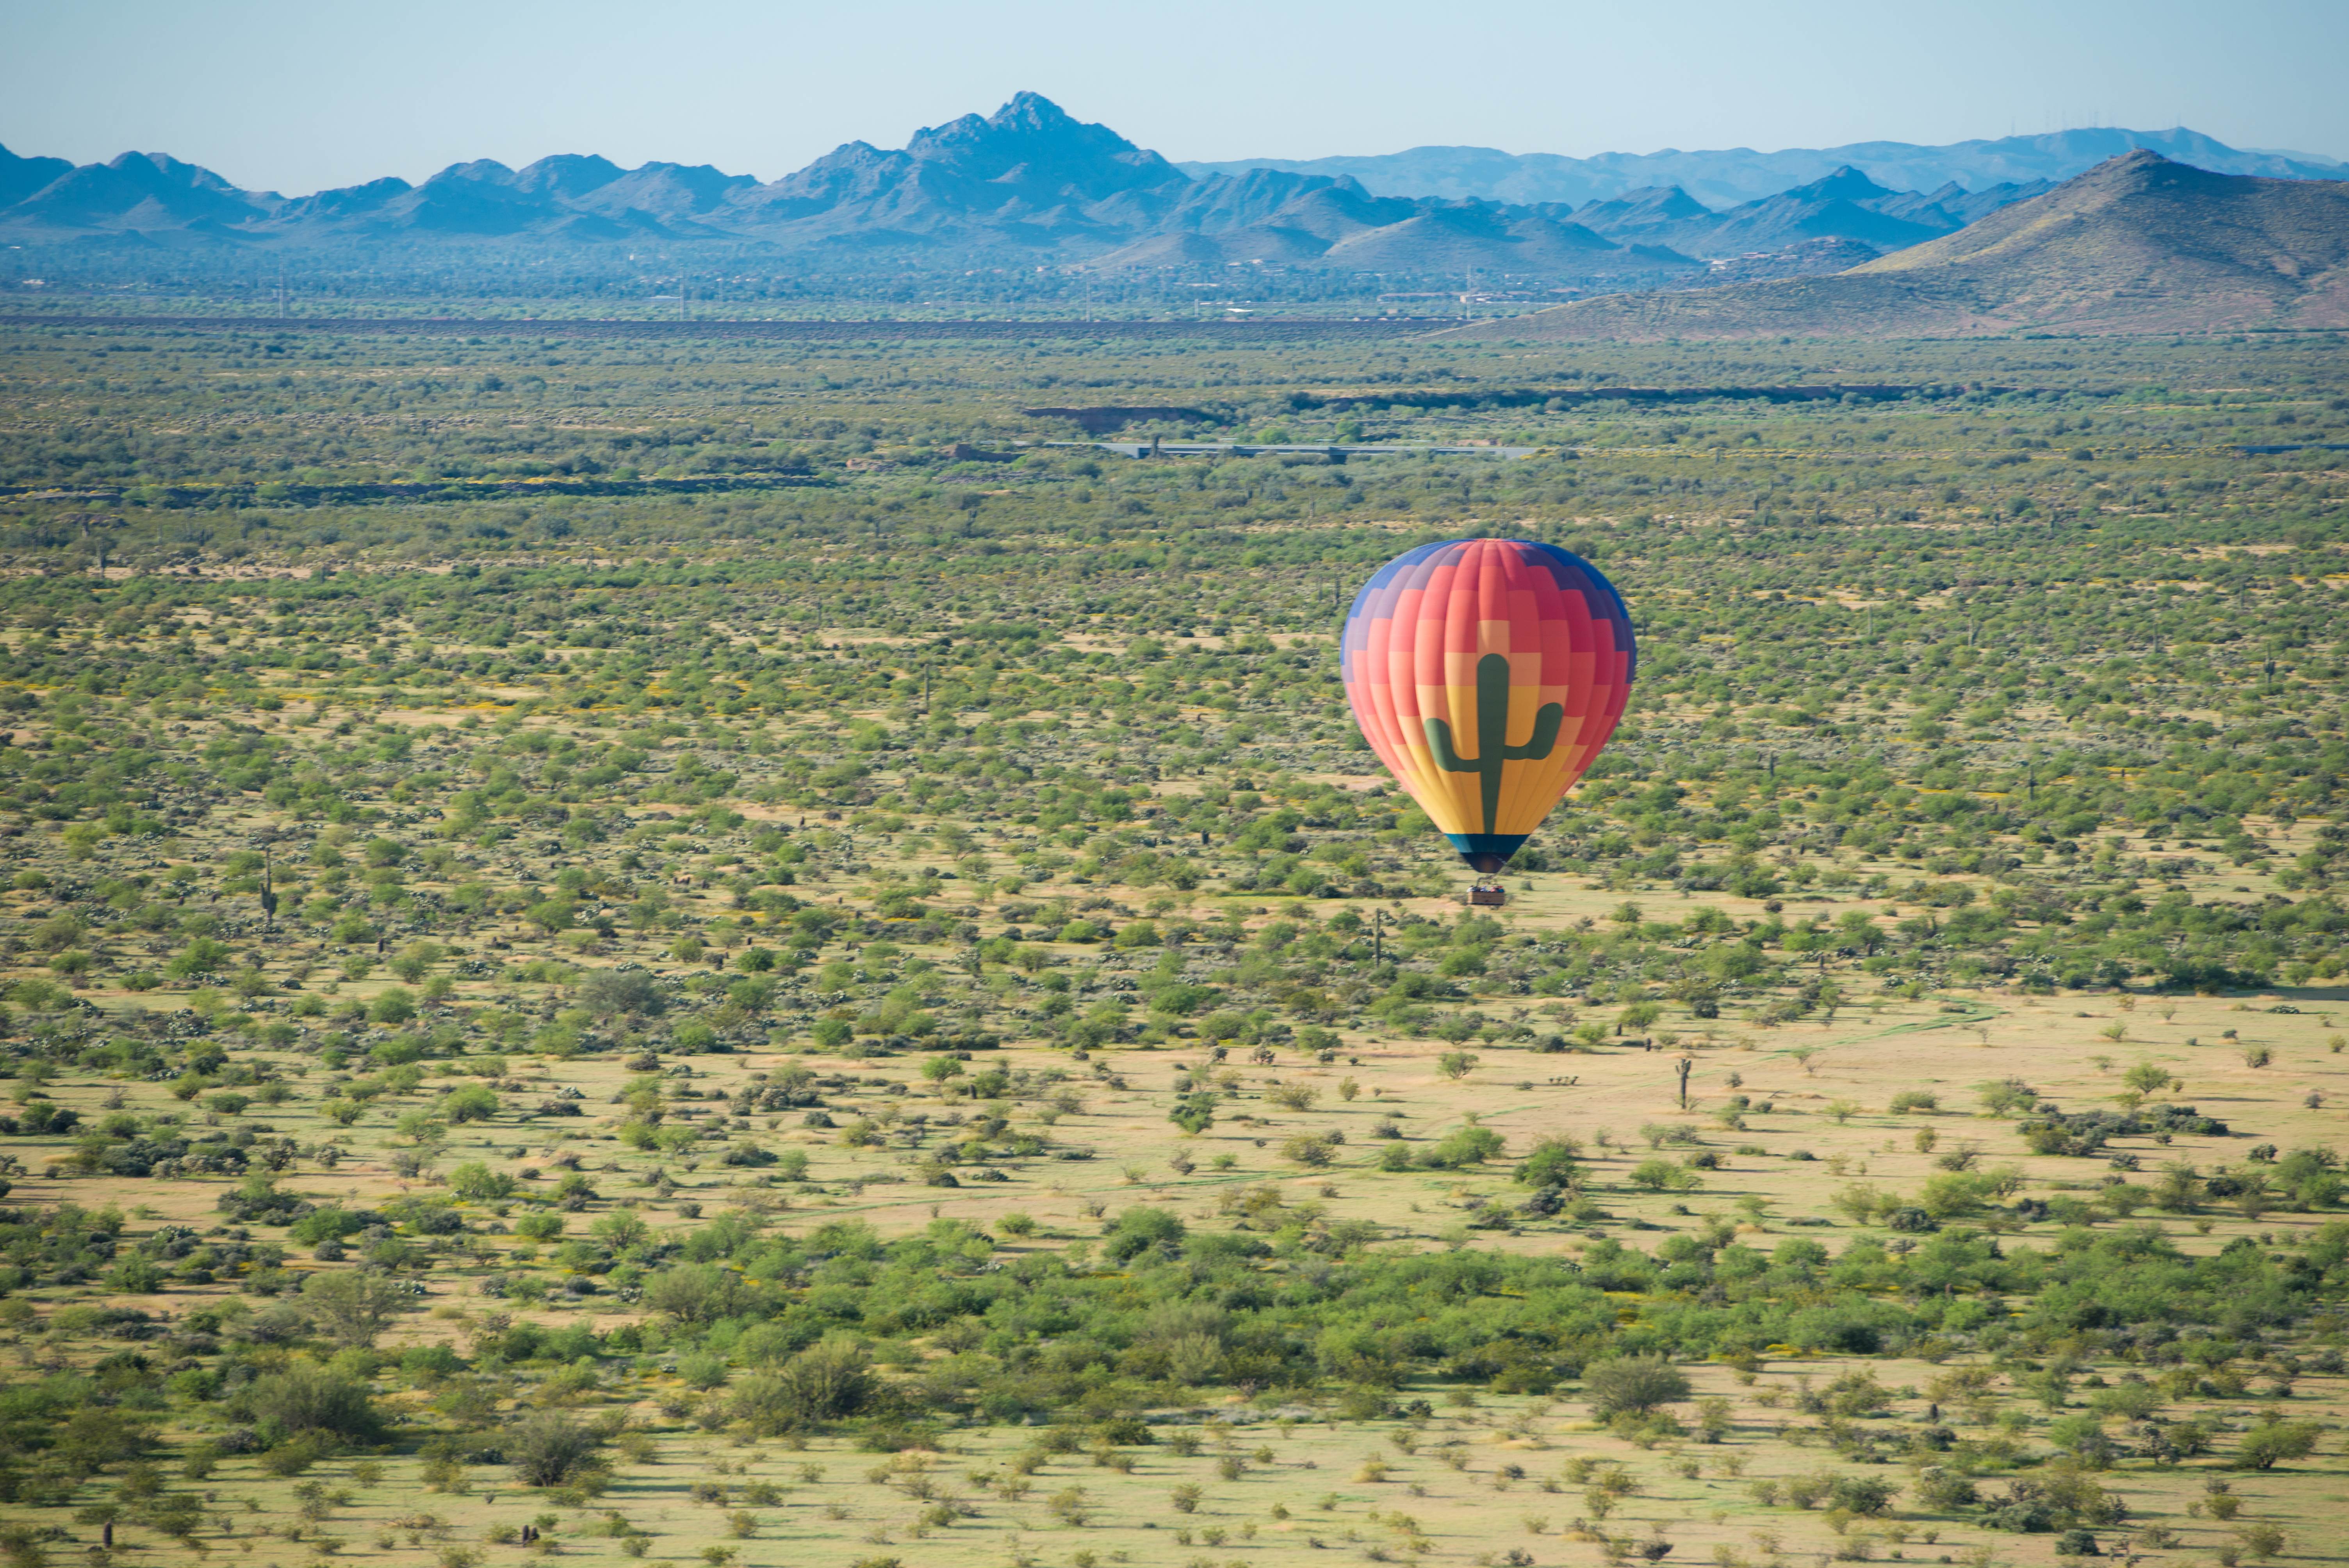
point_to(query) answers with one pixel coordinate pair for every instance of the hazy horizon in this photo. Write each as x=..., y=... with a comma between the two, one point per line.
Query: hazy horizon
x=763, y=91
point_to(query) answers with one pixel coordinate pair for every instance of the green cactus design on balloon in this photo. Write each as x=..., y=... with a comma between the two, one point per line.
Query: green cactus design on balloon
x=1491, y=735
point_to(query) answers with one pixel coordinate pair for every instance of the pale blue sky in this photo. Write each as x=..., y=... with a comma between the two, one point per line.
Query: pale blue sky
x=297, y=97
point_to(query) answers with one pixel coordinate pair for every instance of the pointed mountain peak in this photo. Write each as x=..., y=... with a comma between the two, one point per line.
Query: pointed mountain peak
x=1030, y=118
x=483, y=170
x=1032, y=142
x=567, y=174
x=1845, y=184
x=2141, y=169
x=162, y=165
x=2138, y=160
x=1664, y=201
x=1032, y=111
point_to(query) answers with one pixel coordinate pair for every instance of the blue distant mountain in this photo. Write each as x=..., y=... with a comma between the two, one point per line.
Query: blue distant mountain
x=1740, y=174
x=1032, y=183
x=2139, y=244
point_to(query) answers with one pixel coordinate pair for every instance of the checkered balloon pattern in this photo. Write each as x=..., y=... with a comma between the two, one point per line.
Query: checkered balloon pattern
x=1487, y=674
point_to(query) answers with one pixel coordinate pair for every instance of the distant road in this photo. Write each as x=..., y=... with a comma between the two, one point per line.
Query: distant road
x=1254, y=328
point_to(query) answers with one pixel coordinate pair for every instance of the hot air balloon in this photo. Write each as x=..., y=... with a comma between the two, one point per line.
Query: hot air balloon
x=1487, y=674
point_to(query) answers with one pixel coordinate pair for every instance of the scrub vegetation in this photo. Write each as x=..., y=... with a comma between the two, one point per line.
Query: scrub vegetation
x=713, y=950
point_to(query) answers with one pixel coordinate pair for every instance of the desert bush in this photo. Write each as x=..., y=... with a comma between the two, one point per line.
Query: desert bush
x=550, y=1448
x=1636, y=1384
x=826, y=1382
x=308, y=1398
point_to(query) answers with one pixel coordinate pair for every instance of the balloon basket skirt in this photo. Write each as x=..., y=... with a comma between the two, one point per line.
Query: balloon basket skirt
x=1488, y=894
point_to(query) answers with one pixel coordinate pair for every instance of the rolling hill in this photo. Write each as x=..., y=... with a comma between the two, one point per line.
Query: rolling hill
x=2139, y=243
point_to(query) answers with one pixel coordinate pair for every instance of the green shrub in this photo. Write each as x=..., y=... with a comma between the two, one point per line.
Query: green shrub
x=1659, y=1175
x=476, y=1184
x=308, y=1398
x=550, y=1448
x=331, y=1223
x=2272, y=1442
x=396, y=1005
x=1460, y=1148
x=1551, y=1162
x=827, y=1381
x=1636, y=1384
x=1139, y=1229
x=474, y=1102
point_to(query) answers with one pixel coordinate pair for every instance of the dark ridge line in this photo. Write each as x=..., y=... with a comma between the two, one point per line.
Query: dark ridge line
x=358, y=492
x=1103, y=418
x=1521, y=397
x=804, y=331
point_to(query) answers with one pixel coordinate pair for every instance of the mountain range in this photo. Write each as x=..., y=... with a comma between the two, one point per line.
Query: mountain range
x=1724, y=178
x=1031, y=184
x=1028, y=183
x=2138, y=245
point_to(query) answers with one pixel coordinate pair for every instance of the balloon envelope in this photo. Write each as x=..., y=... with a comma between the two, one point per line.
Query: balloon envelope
x=1487, y=674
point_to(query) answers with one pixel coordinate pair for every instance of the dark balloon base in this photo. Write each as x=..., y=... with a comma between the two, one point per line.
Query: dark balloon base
x=1486, y=852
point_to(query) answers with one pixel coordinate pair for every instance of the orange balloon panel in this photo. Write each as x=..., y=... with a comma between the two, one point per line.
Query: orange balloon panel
x=1487, y=674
